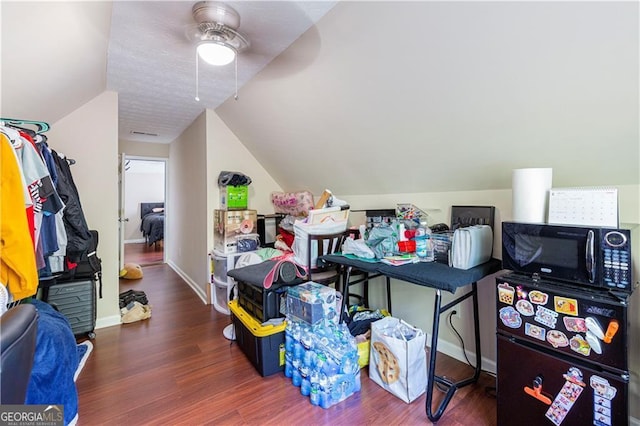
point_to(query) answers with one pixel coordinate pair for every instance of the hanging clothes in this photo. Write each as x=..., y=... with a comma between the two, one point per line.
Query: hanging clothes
x=43, y=194
x=18, y=270
x=78, y=236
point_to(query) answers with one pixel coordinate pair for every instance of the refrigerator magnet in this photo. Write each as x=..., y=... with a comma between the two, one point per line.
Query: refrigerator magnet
x=535, y=331
x=521, y=292
x=567, y=396
x=603, y=393
x=557, y=339
x=506, y=293
x=580, y=345
x=577, y=325
x=510, y=317
x=546, y=316
x=538, y=297
x=525, y=308
x=565, y=305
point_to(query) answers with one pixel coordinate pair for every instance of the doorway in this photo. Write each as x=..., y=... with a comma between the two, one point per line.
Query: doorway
x=143, y=188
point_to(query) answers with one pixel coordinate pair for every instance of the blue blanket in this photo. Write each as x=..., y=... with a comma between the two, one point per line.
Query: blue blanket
x=54, y=363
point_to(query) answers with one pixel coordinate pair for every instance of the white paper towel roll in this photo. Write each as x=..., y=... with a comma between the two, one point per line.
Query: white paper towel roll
x=531, y=194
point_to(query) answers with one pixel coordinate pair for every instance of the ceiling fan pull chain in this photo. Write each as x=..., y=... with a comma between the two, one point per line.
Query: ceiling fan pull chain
x=236, y=64
x=197, y=86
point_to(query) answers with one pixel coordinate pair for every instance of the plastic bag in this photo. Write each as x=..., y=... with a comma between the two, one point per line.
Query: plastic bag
x=358, y=248
x=382, y=240
x=233, y=179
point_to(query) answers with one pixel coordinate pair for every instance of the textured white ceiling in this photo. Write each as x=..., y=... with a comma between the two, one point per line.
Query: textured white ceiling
x=151, y=63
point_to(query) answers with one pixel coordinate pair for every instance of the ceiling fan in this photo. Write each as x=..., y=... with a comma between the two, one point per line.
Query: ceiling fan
x=216, y=34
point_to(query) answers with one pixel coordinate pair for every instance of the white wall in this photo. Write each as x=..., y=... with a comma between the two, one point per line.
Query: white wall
x=90, y=136
x=143, y=149
x=225, y=152
x=186, y=207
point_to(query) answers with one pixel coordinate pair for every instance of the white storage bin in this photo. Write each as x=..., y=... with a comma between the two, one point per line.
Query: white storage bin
x=223, y=263
x=222, y=292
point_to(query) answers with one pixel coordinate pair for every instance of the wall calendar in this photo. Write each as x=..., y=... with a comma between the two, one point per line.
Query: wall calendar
x=584, y=206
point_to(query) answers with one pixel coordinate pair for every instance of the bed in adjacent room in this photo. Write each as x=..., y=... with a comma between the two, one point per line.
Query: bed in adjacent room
x=152, y=225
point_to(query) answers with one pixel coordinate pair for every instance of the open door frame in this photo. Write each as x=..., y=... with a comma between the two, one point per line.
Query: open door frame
x=122, y=192
x=122, y=219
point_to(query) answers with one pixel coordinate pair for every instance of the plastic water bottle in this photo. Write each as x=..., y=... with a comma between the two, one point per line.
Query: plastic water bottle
x=325, y=398
x=288, y=364
x=296, y=377
x=305, y=384
x=423, y=244
x=314, y=395
x=288, y=337
x=306, y=338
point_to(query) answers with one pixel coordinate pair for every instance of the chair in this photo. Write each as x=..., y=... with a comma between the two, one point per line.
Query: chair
x=319, y=245
x=19, y=327
x=360, y=277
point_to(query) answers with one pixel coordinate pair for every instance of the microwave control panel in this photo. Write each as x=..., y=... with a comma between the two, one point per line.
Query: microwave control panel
x=616, y=253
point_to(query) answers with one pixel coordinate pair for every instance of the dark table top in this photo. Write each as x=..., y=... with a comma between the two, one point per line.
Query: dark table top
x=429, y=274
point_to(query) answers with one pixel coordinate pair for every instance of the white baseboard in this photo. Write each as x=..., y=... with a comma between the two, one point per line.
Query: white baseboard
x=138, y=240
x=108, y=321
x=455, y=351
x=201, y=294
x=633, y=421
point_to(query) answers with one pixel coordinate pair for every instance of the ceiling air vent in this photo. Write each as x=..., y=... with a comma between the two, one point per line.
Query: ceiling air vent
x=135, y=132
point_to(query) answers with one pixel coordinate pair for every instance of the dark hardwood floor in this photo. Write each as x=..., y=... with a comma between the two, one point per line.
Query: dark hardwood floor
x=144, y=254
x=177, y=368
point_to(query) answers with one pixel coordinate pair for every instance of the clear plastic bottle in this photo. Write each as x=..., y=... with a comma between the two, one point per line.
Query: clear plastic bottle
x=305, y=383
x=424, y=251
x=288, y=364
x=314, y=395
x=288, y=337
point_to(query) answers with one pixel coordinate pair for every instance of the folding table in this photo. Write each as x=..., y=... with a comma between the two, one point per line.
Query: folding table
x=439, y=277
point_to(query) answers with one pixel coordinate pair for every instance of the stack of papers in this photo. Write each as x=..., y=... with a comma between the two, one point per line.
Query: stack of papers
x=400, y=259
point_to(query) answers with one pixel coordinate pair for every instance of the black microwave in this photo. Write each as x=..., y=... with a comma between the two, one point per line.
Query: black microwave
x=587, y=256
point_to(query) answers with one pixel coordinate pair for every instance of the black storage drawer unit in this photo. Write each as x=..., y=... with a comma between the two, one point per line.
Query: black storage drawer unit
x=263, y=304
x=76, y=300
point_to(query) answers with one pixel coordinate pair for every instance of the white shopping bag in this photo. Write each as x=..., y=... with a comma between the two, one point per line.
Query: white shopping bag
x=303, y=229
x=397, y=359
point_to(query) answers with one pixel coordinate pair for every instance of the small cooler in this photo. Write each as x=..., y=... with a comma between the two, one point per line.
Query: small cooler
x=262, y=344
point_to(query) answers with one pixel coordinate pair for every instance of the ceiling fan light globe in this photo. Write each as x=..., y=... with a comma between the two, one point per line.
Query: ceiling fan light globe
x=215, y=53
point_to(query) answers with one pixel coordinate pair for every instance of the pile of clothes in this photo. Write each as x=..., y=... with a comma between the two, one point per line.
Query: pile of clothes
x=134, y=306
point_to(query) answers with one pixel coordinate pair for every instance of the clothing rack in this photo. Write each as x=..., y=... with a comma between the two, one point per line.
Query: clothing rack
x=42, y=126
x=39, y=137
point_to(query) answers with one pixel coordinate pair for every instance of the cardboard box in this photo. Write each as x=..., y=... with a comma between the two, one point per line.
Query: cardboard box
x=312, y=302
x=234, y=197
x=228, y=224
x=262, y=344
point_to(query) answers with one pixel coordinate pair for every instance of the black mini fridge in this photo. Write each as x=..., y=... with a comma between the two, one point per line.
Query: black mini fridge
x=562, y=355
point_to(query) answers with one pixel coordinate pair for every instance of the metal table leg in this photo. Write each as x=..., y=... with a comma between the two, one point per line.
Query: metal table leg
x=432, y=378
x=346, y=282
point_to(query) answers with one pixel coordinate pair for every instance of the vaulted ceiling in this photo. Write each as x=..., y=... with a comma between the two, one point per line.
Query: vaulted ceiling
x=360, y=97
